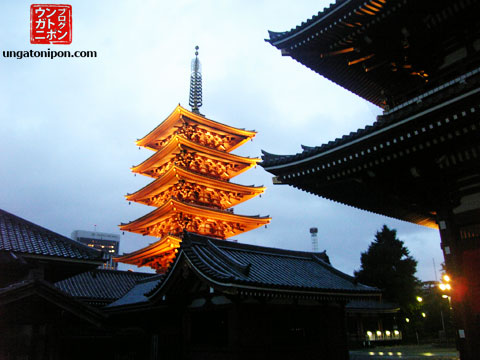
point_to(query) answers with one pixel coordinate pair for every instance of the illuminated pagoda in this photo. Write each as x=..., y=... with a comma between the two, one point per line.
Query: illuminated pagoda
x=192, y=167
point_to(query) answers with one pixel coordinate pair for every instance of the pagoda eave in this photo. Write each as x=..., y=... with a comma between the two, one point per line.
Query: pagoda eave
x=178, y=144
x=174, y=217
x=164, y=249
x=175, y=175
x=176, y=117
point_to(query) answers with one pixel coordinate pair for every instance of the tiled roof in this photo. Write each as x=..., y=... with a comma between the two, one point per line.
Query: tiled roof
x=253, y=268
x=320, y=16
x=441, y=94
x=28, y=290
x=101, y=285
x=140, y=292
x=21, y=236
x=267, y=268
x=362, y=305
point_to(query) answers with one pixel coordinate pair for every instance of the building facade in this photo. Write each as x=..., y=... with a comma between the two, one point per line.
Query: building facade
x=420, y=62
x=108, y=243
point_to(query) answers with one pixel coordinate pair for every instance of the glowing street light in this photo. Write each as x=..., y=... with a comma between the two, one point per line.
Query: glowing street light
x=419, y=299
x=445, y=285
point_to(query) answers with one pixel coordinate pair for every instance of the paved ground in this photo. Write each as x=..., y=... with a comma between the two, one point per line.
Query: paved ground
x=410, y=352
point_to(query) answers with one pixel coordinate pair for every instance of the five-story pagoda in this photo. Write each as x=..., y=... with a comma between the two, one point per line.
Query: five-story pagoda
x=192, y=167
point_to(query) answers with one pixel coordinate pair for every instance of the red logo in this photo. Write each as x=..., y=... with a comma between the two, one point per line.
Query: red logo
x=50, y=24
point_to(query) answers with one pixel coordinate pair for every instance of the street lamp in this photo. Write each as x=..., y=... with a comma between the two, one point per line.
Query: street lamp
x=445, y=286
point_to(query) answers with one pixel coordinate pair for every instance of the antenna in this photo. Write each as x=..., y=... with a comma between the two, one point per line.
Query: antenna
x=313, y=233
x=195, y=100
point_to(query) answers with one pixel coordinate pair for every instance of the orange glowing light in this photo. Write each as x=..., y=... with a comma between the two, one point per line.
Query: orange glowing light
x=192, y=166
x=229, y=137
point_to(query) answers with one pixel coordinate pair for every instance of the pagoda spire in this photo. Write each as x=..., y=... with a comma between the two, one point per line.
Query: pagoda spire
x=195, y=100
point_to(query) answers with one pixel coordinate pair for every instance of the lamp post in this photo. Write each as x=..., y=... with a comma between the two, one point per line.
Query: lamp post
x=445, y=287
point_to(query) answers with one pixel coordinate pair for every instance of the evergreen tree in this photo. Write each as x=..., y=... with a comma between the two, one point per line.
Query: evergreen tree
x=387, y=264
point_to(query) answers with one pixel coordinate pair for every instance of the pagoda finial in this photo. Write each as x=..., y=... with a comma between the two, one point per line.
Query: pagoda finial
x=196, y=84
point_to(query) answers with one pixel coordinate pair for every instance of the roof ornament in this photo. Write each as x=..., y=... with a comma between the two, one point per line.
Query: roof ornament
x=196, y=84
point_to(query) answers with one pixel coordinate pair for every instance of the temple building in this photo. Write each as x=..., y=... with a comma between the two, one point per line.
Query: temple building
x=420, y=62
x=192, y=167
x=210, y=299
x=219, y=299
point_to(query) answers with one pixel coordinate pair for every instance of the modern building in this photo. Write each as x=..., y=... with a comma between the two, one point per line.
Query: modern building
x=108, y=243
x=420, y=62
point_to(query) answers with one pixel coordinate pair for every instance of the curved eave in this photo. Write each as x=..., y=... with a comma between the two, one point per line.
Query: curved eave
x=174, y=206
x=410, y=217
x=178, y=142
x=276, y=163
x=253, y=287
x=328, y=15
x=175, y=174
x=313, y=43
x=166, y=244
x=175, y=118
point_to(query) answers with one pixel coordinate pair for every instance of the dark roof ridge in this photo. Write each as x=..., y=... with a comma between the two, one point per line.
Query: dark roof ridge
x=209, y=261
x=52, y=290
x=237, y=265
x=153, y=277
x=306, y=25
x=48, y=233
x=342, y=274
x=385, y=120
x=255, y=248
x=109, y=271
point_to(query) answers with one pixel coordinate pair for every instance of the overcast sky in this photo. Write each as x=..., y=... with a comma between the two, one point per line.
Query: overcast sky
x=68, y=126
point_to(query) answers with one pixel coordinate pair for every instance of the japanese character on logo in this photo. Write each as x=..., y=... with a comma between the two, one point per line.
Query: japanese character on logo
x=50, y=24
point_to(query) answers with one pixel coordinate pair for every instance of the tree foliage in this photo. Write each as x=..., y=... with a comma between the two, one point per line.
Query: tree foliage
x=387, y=264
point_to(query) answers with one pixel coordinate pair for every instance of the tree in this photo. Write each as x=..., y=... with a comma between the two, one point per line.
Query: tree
x=387, y=264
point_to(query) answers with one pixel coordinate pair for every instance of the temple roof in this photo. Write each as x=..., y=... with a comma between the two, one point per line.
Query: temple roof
x=394, y=166
x=100, y=286
x=176, y=174
x=139, y=294
x=270, y=268
x=386, y=51
x=454, y=91
x=249, y=269
x=180, y=115
x=41, y=293
x=178, y=143
x=174, y=207
x=30, y=240
x=368, y=306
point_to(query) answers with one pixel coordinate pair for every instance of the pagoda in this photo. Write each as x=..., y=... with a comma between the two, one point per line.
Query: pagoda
x=192, y=167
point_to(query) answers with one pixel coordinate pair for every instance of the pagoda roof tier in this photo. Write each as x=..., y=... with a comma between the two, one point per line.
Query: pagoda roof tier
x=158, y=255
x=387, y=52
x=174, y=217
x=194, y=157
x=209, y=132
x=189, y=186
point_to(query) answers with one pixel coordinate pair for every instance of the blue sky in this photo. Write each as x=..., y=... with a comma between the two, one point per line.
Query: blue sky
x=69, y=126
